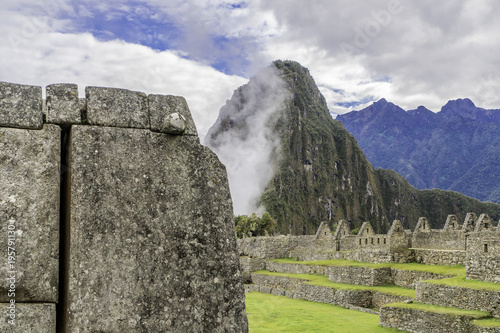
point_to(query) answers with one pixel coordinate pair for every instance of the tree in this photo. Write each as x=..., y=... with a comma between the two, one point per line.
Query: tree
x=254, y=225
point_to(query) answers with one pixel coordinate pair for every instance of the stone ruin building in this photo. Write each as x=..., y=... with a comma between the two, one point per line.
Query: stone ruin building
x=114, y=217
x=475, y=244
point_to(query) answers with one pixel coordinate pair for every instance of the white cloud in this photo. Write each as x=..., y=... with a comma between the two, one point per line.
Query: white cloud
x=431, y=51
x=423, y=53
x=41, y=57
x=250, y=149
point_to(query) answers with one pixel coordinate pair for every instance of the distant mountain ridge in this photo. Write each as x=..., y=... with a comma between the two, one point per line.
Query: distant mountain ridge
x=457, y=148
x=320, y=173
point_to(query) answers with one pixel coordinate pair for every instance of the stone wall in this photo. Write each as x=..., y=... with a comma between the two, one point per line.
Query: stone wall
x=360, y=275
x=439, y=239
x=448, y=246
x=117, y=214
x=299, y=289
x=408, y=279
x=357, y=275
x=380, y=299
x=483, y=257
x=440, y=257
x=297, y=268
x=272, y=247
x=419, y=321
x=479, y=329
x=459, y=297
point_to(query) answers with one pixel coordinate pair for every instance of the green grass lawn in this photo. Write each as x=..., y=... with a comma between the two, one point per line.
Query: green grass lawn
x=491, y=322
x=441, y=309
x=457, y=270
x=461, y=281
x=269, y=313
x=322, y=280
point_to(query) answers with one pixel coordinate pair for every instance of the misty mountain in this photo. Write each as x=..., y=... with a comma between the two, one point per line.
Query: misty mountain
x=455, y=149
x=284, y=153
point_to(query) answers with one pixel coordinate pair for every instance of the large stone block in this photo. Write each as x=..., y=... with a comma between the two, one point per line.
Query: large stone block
x=29, y=318
x=29, y=210
x=168, y=111
x=63, y=105
x=152, y=242
x=117, y=107
x=20, y=106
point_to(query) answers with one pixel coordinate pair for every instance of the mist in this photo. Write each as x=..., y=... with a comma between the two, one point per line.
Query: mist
x=244, y=138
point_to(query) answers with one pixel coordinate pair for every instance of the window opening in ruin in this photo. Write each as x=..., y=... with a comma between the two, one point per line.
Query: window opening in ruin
x=485, y=248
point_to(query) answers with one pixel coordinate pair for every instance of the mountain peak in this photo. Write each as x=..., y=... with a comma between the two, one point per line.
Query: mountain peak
x=461, y=104
x=381, y=102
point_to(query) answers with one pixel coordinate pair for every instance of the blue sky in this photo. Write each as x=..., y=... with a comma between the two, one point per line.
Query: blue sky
x=411, y=53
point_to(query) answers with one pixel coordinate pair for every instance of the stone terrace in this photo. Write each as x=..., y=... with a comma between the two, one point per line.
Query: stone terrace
x=447, y=299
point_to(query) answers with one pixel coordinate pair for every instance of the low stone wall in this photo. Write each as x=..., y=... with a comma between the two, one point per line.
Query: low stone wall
x=478, y=329
x=272, y=247
x=360, y=275
x=362, y=298
x=310, y=254
x=407, y=279
x=298, y=289
x=458, y=297
x=373, y=256
x=357, y=275
x=281, y=286
x=439, y=257
x=296, y=268
x=249, y=265
x=418, y=321
x=380, y=299
x=281, y=282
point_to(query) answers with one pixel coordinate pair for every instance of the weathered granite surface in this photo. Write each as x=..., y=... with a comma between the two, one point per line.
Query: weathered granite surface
x=117, y=107
x=63, y=104
x=30, y=318
x=20, y=106
x=29, y=207
x=152, y=241
x=170, y=114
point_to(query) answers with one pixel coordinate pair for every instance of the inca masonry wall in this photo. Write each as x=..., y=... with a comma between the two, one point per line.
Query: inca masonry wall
x=111, y=209
x=475, y=244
